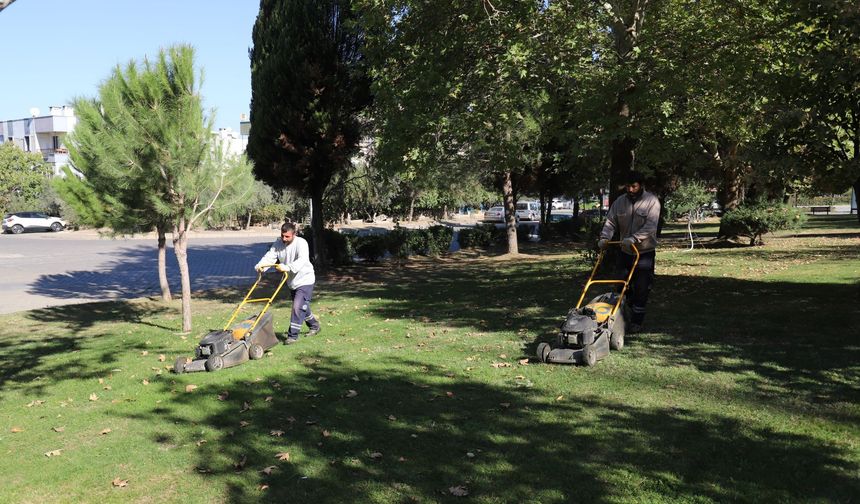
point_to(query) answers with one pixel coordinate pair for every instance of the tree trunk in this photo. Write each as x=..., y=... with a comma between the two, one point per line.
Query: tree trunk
x=856, y=187
x=248, y=222
x=162, y=263
x=510, y=213
x=576, y=208
x=623, y=159
x=318, y=226
x=410, y=218
x=180, y=248
x=731, y=190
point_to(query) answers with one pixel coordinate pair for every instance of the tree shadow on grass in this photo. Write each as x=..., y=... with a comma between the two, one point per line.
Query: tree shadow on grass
x=28, y=364
x=413, y=436
x=791, y=340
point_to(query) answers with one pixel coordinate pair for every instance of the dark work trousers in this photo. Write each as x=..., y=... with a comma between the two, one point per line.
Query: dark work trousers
x=301, y=297
x=640, y=284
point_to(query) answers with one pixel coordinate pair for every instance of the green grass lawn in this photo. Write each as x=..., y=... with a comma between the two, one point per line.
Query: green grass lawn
x=745, y=387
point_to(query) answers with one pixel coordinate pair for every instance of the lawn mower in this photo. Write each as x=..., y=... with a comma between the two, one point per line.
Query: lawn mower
x=235, y=344
x=589, y=332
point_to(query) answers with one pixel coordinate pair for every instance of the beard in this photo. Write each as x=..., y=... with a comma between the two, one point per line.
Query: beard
x=634, y=196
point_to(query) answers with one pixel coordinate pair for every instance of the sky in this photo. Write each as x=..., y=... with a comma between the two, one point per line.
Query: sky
x=56, y=50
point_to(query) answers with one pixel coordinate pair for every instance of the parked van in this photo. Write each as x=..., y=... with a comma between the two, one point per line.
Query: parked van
x=528, y=210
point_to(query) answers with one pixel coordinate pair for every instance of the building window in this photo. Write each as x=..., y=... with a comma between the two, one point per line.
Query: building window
x=27, y=143
x=56, y=142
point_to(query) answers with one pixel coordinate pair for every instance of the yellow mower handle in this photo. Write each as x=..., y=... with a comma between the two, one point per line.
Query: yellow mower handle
x=268, y=300
x=591, y=280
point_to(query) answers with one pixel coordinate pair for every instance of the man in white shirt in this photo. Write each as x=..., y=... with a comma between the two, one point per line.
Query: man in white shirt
x=292, y=252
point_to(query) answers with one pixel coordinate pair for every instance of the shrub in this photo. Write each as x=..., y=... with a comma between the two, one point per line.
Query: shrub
x=568, y=228
x=339, y=247
x=753, y=221
x=402, y=242
x=482, y=235
x=438, y=240
x=371, y=247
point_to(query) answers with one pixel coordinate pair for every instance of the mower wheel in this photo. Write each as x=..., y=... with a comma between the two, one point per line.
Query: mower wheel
x=616, y=341
x=589, y=355
x=179, y=365
x=542, y=352
x=214, y=363
x=255, y=352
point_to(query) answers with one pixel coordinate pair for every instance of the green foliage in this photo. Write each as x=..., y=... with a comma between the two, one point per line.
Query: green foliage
x=755, y=220
x=308, y=89
x=687, y=199
x=482, y=235
x=564, y=229
x=340, y=246
x=433, y=241
x=147, y=153
x=371, y=247
x=23, y=179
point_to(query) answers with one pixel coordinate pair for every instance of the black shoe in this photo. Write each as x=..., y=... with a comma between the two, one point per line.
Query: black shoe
x=314, y=331
x=290, y=341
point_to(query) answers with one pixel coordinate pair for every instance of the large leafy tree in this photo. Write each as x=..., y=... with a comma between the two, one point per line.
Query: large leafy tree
x=147, y=152
x=23, y=178
x=308, y=91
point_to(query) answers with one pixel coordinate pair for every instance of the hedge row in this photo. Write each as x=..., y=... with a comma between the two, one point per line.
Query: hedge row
x=399, y=242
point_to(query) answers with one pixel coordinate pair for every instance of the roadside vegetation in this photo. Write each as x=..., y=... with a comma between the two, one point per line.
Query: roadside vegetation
x=422, y=387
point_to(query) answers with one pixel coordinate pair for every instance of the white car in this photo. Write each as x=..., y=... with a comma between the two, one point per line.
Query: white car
x=495, y=214
x=19, y=222
x=528, y=210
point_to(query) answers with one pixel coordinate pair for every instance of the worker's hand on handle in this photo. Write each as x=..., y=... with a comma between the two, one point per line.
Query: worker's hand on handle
x=261, y=269
x=627, y=244
x=602, y=244
x=282, y=268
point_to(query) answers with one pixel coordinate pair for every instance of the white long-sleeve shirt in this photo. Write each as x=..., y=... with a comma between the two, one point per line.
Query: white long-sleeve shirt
x=295, y=257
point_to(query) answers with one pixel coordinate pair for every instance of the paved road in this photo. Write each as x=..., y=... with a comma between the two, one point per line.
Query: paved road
x=51, y=269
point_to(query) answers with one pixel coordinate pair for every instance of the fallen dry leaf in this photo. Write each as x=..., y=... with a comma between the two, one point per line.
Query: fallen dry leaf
x=107, y=387
x=268, y=470
x=376, y=455
x=449, y=394
x=190, y=388
x=322, y=378
x=145, y=382
x=264, y=487
x=223, y=396
x=162, y=357
x=244, y=423
x=104, y=431
x=58, y=429
x=326, y=433
x=283, y=456
x=458, y=491
x=355, y=378
x=503, y=356
x=17, y=429
x=144, y=353
x=201, y=442
x=241, y=463
x=53, y=453
x=268, y=399
x=559, y=398
x=94, y=397
x=392, y=417
x=276, y=433
x=351, y=393
x=501, y=364
x=37, y=402
x=119, y=483
x=505, y=405
x=101, y=381
x=245, y=407
x=524, y=362
x=402, y=459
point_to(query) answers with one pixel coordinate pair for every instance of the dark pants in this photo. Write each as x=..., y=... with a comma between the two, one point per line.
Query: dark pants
x=640, y=284
x=301, y=297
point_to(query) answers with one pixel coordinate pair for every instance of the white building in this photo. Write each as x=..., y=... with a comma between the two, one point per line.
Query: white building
x=44, y=134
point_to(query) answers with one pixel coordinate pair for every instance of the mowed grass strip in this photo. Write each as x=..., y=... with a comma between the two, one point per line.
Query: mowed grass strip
x=421, y=387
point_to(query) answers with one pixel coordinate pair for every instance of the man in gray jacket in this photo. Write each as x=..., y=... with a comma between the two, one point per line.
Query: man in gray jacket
x=292, y=252
x=634, y=217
